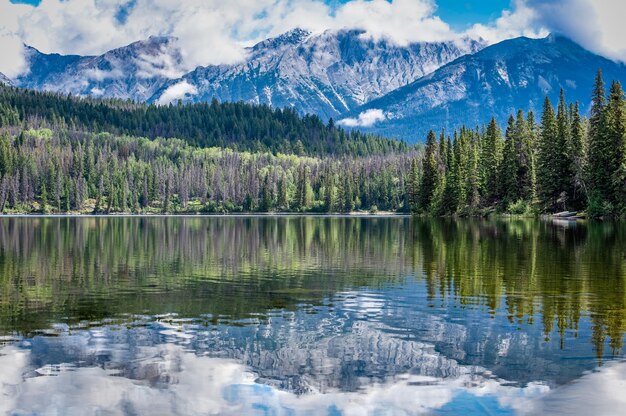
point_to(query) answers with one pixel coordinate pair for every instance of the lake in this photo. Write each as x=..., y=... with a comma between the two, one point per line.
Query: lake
x=311, y=315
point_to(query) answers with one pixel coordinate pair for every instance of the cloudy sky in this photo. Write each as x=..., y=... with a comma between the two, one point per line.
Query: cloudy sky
x=216, y=31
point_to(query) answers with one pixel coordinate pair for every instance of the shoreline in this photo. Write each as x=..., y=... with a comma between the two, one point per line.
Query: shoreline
x=355, y=214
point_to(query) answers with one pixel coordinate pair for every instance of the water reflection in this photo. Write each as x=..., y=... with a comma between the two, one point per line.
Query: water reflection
x=300, y=314
x=164, y=369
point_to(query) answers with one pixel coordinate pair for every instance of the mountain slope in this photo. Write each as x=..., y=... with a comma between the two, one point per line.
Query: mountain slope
x=135, y=71
x=5, y=80
x=325, y=74
x=497, y=80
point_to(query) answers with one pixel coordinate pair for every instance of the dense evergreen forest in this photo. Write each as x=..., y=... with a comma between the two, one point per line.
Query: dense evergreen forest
x=239, y=126
x=53, y=160
x=560, y=162
x=56, y=170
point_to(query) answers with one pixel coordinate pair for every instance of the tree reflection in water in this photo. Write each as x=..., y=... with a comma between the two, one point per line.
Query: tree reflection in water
x=311, y=307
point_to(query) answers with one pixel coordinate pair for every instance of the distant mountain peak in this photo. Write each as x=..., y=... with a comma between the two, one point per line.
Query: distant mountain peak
x=496, y=81
x=343, y=73
x=153, y=42
x=292, y=37
x=133, y=71
x=556, y=37
x=325, y=73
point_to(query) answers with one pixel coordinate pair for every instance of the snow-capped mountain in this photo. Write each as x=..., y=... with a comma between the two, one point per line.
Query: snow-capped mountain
x=5, y=80
x=496, y=81
x=135, y=71
x=326, y=74
x=398, y=91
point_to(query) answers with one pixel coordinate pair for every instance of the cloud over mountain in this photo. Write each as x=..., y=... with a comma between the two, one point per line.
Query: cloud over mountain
x=213, y=32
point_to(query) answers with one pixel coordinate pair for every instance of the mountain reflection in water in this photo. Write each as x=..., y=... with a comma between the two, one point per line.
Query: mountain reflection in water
x=309, y=315
x=162, y=369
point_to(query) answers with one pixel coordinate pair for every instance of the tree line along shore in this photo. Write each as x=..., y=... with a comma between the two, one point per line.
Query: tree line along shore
x=62, y=154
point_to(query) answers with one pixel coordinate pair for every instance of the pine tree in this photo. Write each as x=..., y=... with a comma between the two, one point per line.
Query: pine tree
x=44, y=198
x=99, y=195
x=303, y=189
x=598, y=174
x=525, y=158
x=461, y=155
x=413, y=187
x=6, y=155
x=346, y=199
x=577, y=158
x=598, y=102
x=283, y=200
x=508, y=167
x=564, y=162
x=329, y=191
x=548, y=159
x=473, y=195
x=430, y=176
x=166, y=199
x=266, y=196
x=450, y=197
x=491, y=157
x=614, y=132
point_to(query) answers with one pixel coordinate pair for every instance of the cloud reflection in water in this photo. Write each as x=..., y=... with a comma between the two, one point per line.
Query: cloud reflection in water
x=92, y=372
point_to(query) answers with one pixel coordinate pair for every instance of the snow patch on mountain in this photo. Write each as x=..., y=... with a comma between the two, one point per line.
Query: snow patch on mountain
x=496, y=81
x=327, y=73
x=135, y=71
x=5, y=80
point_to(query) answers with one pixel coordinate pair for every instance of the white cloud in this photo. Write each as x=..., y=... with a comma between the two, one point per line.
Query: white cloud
x=164, y=64
x=177, y=91
x=101, y=75
x=596, y=25
x=189, y=384
x=403, y=21
x=216, y=31
x=209, y=31
x=520, y=21
x=366, y=119
x=12, y=62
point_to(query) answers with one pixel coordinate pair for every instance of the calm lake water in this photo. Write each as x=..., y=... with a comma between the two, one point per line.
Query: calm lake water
x=311, y=315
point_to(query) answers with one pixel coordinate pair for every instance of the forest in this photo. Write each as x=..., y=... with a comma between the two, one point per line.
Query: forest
x=561, y=162
x=54, y=170
x=65, y=154
x=239, y=126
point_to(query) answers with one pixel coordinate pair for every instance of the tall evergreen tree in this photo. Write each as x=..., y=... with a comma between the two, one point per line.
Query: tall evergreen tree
x=282, y=200
x=413, y=187
x=461, y=156
x=329, y=192
x=525, y=157
x=578, y=157
x=491, y=157
x=598, y=174
x=430, y=176
x=508, y=168
x=450, y=196
x=548, y=159
x=473, y=195
x=267, y=203
x=563, y=145
x=614, y=132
